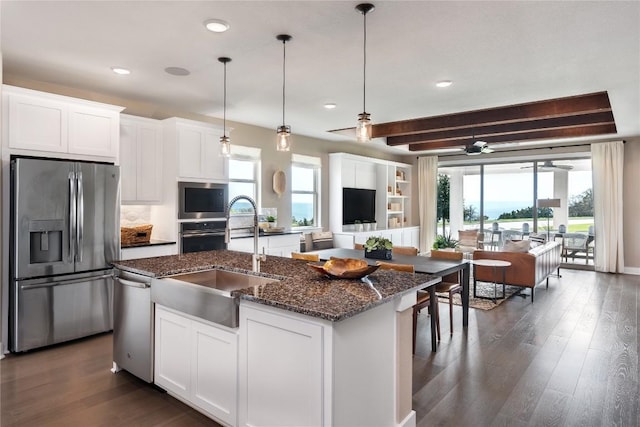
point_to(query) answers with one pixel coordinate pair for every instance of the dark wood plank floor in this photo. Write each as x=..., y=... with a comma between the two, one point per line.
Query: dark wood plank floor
x=571, y=358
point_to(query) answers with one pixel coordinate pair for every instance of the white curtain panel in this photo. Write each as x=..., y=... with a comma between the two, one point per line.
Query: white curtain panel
x=427, y=200
x=607, y=160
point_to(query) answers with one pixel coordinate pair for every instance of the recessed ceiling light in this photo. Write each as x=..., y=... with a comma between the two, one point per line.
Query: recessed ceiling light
x=330, y=106
x=444, y=83
x=177, y=71
x=120, y=70
x=216, y=25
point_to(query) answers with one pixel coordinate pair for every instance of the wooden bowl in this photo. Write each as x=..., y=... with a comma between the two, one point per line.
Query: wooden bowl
x=344, y=268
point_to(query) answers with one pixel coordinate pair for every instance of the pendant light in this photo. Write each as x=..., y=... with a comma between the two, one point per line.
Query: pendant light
x=283, y=141
x=225, y=141
x=363, y=128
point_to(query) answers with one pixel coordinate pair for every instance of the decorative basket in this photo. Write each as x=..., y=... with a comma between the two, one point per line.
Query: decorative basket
x=137, y=234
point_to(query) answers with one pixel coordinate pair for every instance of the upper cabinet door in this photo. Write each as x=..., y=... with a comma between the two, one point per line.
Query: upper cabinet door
x=190, y=142
x=215, y=165
x=93, y=131
x=59, y=125
x=198, y=154
x=37, y=124
x=140, y=160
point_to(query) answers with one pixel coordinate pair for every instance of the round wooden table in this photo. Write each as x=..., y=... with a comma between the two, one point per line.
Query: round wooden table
x=495, y=264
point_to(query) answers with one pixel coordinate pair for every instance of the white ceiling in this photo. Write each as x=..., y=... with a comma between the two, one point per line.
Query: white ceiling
x=497, y=53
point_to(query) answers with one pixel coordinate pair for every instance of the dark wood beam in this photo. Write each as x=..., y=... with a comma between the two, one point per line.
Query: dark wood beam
x=482, y=131
x=559, y=107
x=567, y=132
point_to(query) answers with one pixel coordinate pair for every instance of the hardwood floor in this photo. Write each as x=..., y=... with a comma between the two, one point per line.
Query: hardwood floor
x=571, y=358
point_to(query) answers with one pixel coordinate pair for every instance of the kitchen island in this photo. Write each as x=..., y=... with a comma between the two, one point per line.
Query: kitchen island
x=308, y=350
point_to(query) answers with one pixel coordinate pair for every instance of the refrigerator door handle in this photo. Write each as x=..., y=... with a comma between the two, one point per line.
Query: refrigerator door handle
x=80, y=218
x=72, y=216
x=65, y=282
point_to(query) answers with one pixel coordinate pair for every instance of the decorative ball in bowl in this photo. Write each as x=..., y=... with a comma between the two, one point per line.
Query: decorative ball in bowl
x=344, y=268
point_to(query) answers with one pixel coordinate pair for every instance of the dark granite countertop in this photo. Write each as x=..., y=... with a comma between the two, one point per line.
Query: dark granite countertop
x=152, y=242
x=300, y=289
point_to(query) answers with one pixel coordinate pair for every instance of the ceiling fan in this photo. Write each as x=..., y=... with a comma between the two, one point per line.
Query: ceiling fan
x=478, y=147
x=548, y=165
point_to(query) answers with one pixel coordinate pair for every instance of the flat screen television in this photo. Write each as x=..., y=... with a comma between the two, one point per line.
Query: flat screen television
x=358, y=204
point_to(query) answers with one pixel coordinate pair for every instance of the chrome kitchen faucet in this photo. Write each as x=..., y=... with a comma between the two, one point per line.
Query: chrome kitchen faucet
x=256, y=257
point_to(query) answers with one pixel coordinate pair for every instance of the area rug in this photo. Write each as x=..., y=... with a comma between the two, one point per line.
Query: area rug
x=482, y=289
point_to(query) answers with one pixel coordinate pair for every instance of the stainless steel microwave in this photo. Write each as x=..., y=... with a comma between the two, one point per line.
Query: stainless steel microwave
x=202, y=200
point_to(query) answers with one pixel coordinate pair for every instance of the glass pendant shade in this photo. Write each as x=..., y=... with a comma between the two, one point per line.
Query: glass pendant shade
x=363, y=128
x=225, y=146
x=283, y=142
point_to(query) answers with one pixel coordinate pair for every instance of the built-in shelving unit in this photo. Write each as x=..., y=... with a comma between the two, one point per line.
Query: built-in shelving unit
x=391, y=180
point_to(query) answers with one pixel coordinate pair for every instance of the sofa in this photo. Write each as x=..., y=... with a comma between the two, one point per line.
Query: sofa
x=527, y=269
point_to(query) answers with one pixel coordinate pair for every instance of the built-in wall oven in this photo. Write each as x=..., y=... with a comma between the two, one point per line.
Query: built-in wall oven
x=202, y=236
x=202, y=200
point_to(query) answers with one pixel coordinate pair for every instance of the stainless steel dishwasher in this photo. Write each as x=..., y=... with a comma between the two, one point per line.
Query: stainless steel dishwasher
x=133, y=325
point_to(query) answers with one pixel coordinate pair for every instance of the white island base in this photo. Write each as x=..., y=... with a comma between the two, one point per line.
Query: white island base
x=295, y=370
x=304, y=371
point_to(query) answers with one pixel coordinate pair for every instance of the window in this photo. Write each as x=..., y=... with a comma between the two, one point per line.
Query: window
x=305, y=189
x=501, y=199
x=244, y=170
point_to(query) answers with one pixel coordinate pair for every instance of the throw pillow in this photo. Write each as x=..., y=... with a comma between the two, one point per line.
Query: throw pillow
x=519, y=246
x=322, y=240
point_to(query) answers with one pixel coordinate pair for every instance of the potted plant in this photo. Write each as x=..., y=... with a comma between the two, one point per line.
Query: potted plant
x=271, y=220
x=378, y=247
x=444, y=241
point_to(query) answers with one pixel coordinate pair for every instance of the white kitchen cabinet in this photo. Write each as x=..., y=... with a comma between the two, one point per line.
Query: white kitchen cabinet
x=280, y=245
x=358, y=174
x=59, y=125
x=281, y=372
x=407, y=236
x=214, y=371
x=148, y=251
x=197, y=361
x=411, y=236
x=172, y=344
x=140, y=160
x=198, y=152
x=296, y=370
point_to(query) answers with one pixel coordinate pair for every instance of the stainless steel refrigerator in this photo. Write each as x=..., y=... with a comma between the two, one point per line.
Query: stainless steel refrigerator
x=64, y=233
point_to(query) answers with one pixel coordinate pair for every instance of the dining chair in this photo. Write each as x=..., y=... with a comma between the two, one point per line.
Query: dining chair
x=573, y=243
x=306, y=257
x=451, y=283
x=358, y=246
x=404, y=250
x=423, y=298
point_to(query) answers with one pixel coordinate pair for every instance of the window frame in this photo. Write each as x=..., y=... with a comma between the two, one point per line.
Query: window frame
x=313, y=163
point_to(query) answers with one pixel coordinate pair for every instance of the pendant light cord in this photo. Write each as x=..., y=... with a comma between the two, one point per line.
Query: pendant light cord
x=364, y=67
x=224, y=107
x=284, y=62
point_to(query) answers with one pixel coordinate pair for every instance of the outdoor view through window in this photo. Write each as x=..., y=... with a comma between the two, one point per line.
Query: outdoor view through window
x=507, y=205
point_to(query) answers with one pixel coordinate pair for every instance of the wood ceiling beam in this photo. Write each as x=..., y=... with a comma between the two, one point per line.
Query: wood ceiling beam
x=559, y=107
x=484, y=131
x=566, y=132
